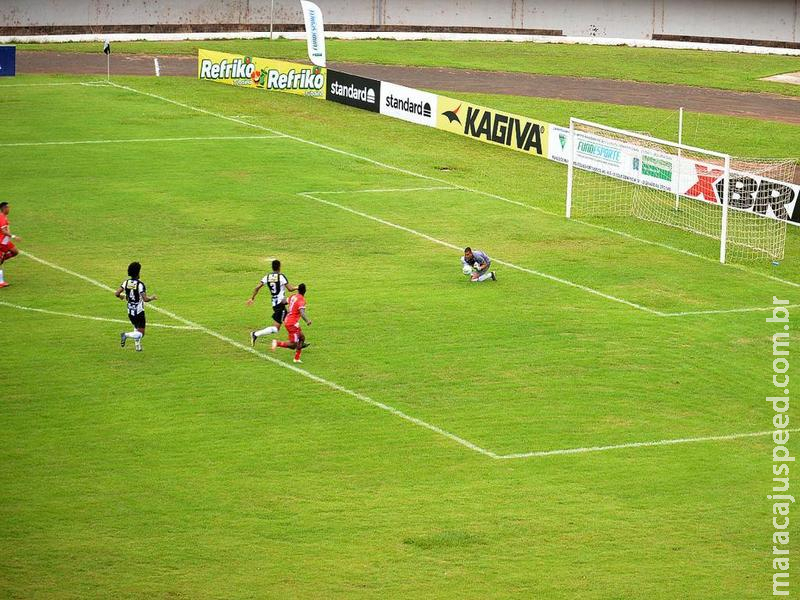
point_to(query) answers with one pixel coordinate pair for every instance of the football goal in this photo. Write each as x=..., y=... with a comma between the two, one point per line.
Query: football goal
x=724, y=200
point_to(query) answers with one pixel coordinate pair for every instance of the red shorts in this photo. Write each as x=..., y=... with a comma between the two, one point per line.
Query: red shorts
x=294, y=332
x=6, y=247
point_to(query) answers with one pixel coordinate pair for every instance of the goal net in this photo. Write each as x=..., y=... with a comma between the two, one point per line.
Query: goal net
x=727, y=201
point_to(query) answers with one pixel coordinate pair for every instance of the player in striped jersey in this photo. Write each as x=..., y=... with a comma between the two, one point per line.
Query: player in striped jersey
x=277, y=284
x=476, y=264
x=134, y=292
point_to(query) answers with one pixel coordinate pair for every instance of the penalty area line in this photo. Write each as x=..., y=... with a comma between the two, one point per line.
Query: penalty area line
x=711, y=438
x=498, y=261
x=307, y=374
x=398, y=413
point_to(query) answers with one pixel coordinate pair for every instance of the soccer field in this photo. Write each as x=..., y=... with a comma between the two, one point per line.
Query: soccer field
x=591, y=425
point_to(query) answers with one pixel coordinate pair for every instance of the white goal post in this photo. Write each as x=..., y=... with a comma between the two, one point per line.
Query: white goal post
x=612, y=172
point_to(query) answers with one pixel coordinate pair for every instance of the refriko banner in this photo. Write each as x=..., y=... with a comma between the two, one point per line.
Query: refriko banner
x=683, y=176
x=261, y=73
x=492, y=126
x=409, y=104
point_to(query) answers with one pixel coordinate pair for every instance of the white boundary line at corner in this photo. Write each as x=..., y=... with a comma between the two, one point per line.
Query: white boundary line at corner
x=498, y=261
x=91, y=318
x=394, y=411
x=315, y=378
x=444, y=181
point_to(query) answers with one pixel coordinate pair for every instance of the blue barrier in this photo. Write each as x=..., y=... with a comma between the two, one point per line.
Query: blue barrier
x=8, y=59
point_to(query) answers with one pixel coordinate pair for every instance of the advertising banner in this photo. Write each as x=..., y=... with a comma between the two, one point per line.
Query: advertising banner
x=353, y=90
x=8, y=61
x=684, y=176
x=315, y=32
x=261, y=73
x=408, y=104
x=492, y=126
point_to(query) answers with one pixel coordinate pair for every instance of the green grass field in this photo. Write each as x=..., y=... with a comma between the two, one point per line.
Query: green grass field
x=724, y=70
x=384, y=467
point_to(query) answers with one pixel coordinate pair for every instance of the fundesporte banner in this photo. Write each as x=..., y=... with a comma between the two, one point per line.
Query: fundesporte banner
x=683, y=176
x=261, y=73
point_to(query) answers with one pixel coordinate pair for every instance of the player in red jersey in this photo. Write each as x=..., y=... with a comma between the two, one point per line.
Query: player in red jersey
x=7, y=248
x=297, y=311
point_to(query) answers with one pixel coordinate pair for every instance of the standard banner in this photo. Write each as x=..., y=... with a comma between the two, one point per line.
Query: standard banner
x=409, y=104
x=682, y=176
x=493, y=126
x=315, y=32
x=353, y=90
x=261, y=73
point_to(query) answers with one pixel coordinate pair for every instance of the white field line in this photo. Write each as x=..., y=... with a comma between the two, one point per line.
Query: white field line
x=137, y=140
x=86, y=83
x=312, y=195
x=436, y=179
x=498, y=261
x=725, y=311
x=396, y=412
x=711, y=438
x=385, y=190
x=280, y=363
x=91, y=318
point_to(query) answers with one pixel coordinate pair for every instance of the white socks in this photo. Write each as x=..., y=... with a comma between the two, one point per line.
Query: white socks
x=134, y=335
x=266, y=331
x=1, y=276
x=485, y=276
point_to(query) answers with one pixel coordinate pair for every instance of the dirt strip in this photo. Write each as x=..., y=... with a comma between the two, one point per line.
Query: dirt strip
x=771, y=107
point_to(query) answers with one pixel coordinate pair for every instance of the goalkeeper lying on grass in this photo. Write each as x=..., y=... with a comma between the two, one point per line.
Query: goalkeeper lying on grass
x=476, y=264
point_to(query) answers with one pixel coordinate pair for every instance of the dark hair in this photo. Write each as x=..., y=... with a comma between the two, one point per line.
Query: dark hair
x=467, y=249
x=134, y=269
x=302, y=289
x=276, y=265
x=3, y=205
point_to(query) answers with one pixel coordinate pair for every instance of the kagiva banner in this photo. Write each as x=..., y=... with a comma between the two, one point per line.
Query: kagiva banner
x=685, y=176
x=492, y=126
x=261, y=73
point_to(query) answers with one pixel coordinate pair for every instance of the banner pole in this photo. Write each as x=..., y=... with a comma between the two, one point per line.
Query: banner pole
x=271, y=16
x=680, y=141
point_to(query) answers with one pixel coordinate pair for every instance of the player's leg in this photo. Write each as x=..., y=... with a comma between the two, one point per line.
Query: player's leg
x=301, y=341
x=278, y=314
x=139, y=322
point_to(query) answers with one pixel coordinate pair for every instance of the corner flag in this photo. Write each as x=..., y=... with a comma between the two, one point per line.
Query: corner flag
x=107, y=47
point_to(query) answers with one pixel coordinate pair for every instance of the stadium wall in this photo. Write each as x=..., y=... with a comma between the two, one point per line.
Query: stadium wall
x=767, y=22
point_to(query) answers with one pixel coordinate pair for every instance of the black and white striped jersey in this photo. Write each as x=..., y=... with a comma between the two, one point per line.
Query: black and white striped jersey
x=276, y=282
x=134, y=291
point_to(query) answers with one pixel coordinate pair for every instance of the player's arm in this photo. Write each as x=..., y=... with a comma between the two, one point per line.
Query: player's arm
x=303, y=316
x=120, y=293
x=6, y=232
x=255, y=293
x=290, y=287
x=147, y=298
